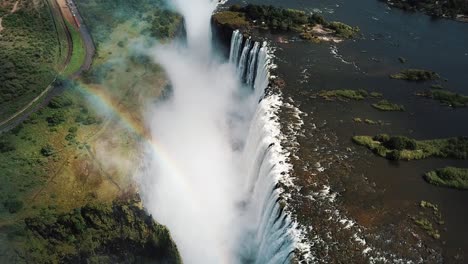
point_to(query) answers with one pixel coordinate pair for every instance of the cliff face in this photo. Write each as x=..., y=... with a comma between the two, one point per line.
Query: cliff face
x=117, y=233
x=223, y=26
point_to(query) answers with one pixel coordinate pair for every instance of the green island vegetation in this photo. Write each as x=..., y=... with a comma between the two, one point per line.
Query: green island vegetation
x=367, y=121
x=415, y=75
x=428, y=218
x=427, y=226
x=447, y=97
x=437, y=86
x=97, y=233
x=29, y=54
x=451, y=8
x=311, y=27
x=344, y=94
x=376, y=95
x=385, y=105
x=54, y=166
x=403, y=148
x=450, y=177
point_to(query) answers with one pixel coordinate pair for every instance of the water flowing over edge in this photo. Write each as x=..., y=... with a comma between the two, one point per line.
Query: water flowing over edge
x=265, y=128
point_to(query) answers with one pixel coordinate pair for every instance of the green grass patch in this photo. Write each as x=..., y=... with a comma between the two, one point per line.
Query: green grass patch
x=78, y=54
x=450, y=177
x=415, y=75
x=403, y=148
x=385, y=105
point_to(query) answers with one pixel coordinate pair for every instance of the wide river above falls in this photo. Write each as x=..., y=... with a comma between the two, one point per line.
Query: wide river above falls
x=365, y=63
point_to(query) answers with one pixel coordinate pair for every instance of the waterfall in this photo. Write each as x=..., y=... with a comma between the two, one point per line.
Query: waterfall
x=251, y=70
x=242, y=65
x=215, y=169
x=236, y=45
x=268, y=238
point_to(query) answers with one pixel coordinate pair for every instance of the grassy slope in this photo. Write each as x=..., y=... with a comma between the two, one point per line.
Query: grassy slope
x=79, y=53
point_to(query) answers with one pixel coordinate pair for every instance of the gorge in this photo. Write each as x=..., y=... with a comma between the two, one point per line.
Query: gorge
x=214, y=176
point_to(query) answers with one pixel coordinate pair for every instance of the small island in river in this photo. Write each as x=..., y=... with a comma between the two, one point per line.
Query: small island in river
x=311, y=27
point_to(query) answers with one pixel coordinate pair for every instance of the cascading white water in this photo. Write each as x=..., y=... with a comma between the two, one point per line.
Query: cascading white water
x=242, y=65
x=252, y=64
x=267, y=235
x=236, y=45
x=212, y=177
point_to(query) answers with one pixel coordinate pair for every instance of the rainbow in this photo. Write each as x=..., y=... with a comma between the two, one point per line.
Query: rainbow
x=112, y=105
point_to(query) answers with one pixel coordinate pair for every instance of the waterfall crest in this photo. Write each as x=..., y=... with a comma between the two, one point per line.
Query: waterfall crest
x=268, y=237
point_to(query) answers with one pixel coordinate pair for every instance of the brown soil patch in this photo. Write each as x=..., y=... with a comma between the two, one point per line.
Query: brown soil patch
x=15, y=7
x=67, y=14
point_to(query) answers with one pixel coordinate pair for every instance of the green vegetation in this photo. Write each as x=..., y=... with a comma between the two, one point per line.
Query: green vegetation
x=233, y=19
x=79, y=52
x=403, y=148
x=427, y=221
x=164, y=23
x=344, y=94
x=437, y=86
x=376, y=95
x=104, y=15
x=415, y=75
x=385, y=105
x=367, y=121
x=342, y=30
x=13, y=205
x=270, y=17
x=427, y=226
x=449, y=98
x=99, y=233
x=51, y=165
x=449, y=177
x=28, y=54
x=436, y=8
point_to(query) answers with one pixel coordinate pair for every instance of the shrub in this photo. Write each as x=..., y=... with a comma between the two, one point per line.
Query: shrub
x=13, y=205
x=60, y=101
x=47, y=150
x=55, y=119
x=400, y=143
x=6, y=146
